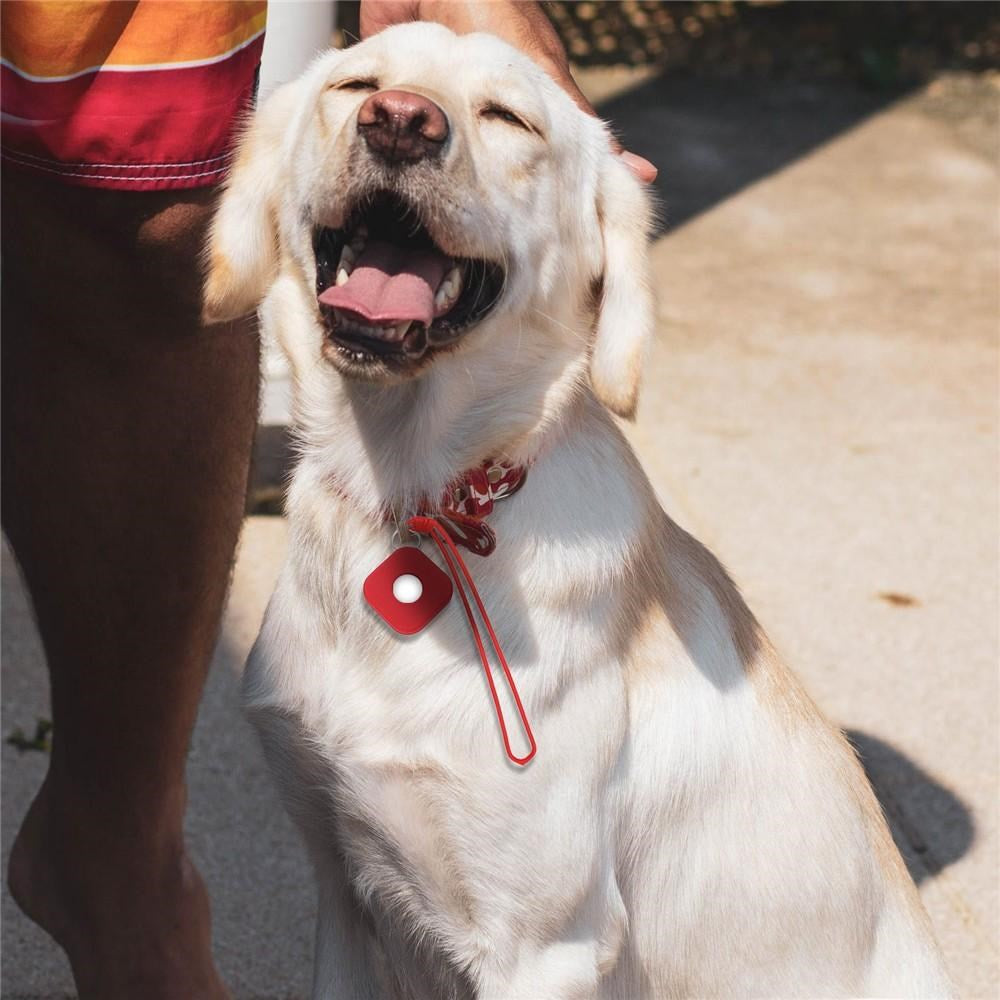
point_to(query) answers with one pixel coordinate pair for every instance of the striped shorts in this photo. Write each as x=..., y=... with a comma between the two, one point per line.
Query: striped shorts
x=143, y=95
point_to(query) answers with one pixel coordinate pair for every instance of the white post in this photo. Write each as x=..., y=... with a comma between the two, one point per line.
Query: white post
x=297, y=30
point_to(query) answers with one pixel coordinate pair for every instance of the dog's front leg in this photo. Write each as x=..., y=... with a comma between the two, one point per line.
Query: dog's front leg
x=566, y=970
x=343, y=968
x=570, y=964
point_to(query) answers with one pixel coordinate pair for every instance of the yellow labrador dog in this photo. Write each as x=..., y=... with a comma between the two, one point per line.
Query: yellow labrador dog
x=455, y=264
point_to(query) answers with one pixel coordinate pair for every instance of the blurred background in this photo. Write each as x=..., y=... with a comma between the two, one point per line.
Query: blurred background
x=820, y=408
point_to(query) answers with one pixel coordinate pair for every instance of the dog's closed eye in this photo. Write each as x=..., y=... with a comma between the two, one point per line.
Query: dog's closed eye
x=355, y=83
x=497, y=112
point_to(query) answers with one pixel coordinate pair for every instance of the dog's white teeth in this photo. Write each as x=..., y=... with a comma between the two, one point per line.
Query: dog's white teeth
x=347, y=259
x=401, y=330
x=342, y=276
x=449, y=289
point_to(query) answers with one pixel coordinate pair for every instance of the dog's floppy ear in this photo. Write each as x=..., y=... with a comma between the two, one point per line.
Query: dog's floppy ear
x=624, y=321
x=242, y=249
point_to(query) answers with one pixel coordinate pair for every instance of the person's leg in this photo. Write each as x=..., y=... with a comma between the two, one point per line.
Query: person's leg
x=127, y=431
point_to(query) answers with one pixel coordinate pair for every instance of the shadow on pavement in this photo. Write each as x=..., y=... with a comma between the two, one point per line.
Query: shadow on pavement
x=711, y=138
x=932, y=827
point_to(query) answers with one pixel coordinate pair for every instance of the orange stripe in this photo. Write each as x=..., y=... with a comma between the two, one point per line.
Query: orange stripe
x=60, y=37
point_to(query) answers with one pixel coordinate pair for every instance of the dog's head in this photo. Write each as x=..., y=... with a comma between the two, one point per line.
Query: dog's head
x=425, y=193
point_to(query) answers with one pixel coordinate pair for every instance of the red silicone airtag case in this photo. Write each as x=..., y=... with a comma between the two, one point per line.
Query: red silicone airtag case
x=408, y=618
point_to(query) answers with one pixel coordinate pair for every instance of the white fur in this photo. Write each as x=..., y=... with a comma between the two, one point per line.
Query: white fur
x=690, y=826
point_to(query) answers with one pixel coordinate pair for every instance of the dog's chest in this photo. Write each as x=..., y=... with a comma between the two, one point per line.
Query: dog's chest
x=379, y=697
x=402, y=736
x=426, y=696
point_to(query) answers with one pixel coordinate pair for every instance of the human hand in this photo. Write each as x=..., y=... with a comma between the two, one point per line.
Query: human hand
x=519, y=23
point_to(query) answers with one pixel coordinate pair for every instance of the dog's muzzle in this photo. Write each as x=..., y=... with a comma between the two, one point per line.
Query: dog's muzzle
x=388, y=295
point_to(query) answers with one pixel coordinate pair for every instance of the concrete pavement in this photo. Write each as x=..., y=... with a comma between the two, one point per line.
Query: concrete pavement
x=820, y=408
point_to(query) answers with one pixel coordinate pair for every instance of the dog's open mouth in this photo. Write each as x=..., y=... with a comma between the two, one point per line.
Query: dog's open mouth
x=388, y=294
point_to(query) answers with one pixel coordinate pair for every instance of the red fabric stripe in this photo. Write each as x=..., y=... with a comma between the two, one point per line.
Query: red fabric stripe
x=177, y=119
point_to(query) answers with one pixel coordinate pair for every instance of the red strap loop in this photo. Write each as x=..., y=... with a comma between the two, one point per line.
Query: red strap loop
x=429, y=526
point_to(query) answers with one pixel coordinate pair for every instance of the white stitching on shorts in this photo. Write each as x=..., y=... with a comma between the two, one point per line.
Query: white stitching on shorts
x=120, y=166
x=116, y=177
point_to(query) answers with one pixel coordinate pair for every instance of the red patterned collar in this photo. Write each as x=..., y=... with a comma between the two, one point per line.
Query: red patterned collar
x=466, y=502
x=469, y=499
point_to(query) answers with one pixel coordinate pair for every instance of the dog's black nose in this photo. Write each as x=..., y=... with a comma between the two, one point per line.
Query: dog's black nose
x=402, y=127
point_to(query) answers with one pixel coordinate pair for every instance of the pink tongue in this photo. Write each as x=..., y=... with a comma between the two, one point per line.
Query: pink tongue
x=390, y=284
